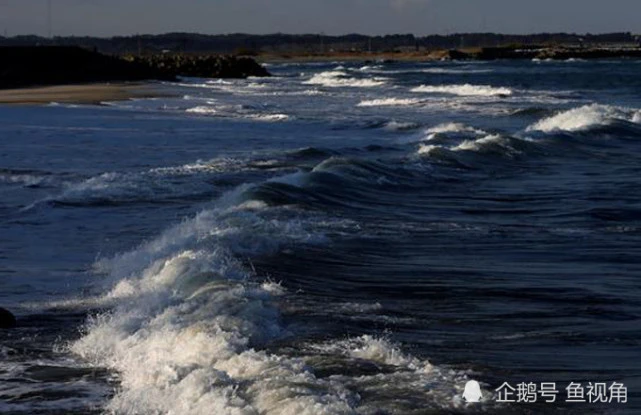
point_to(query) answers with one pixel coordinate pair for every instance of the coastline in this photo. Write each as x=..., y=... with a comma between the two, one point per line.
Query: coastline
x=464, y=54
x=79, y=94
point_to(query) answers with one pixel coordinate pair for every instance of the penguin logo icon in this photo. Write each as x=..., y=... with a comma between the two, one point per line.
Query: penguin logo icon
x=472, y=392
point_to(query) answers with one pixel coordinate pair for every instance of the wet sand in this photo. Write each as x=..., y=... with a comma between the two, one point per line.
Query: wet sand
x=78, y=94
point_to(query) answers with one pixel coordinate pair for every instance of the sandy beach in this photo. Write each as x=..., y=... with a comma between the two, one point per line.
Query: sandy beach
x=78, y=94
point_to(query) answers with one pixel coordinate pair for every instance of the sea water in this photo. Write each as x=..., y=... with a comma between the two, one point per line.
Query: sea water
x=341, y=238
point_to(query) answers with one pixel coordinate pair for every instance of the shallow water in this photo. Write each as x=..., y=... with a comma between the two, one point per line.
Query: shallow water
x=340, y=238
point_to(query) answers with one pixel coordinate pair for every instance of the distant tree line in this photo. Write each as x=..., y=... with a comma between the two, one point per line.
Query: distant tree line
x=311, y=43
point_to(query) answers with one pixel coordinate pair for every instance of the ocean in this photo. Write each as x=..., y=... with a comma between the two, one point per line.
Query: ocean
x=340, y=238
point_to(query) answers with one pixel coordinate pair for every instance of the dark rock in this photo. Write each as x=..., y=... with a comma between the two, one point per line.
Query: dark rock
x=505, y=53
x=53, y=65
x=561, y=53
x=203, y=66
x=7, y=320
x=57, y=65
x=456, y=55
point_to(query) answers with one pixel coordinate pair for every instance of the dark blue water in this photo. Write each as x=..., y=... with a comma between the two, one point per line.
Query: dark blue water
x=340, y=238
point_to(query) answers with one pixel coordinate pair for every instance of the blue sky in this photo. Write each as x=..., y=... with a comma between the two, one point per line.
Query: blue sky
x=115, y=17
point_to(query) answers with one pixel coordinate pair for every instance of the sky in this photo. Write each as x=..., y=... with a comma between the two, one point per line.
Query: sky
x=373, y=17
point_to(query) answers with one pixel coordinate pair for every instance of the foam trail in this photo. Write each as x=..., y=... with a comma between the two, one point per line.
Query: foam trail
x=465, y=90
x=226, y=111
x=453, y=128
x=204, y=110
x=389, y=102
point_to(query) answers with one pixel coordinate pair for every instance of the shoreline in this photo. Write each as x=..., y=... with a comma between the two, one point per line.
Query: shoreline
x=464, y=54
x=90, y=94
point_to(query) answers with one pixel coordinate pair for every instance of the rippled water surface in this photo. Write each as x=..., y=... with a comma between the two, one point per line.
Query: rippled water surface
x=340, y=238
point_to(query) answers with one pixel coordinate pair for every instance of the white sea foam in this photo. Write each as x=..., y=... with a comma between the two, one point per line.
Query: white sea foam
x=499, y=145
x=390, y=102
x=482, y=144
x=204, y=110
x=219, y=82
x=237, y=112
x=453, y=128
x=409, y=374
x=428, y=148
x=257, y=85
x=400, y=126
x=270, y=117
x=337, y=79
x=464, y=90
x=449, y=131
x=586, y=117
x=310, y=92
x=456, y=71
x=434, y=70
x=374, y=349
x=488, y=144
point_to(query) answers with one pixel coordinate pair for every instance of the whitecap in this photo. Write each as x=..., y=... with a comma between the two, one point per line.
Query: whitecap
x=491, y=144
x=270, y=117
x=389, y=102
x=337, y=79
x=202, y=109
x=465, y=90
x=585, y=117
x=453, y=127
x=400, y=126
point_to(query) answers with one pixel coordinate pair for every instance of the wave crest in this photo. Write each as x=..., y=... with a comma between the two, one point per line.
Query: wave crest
x=337, y=79
x=585, y=118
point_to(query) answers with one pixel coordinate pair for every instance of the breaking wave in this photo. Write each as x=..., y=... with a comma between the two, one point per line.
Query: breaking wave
x=337, y=79
x=400, y=126
x=587, y=117
x=489, y=145
x=188, y=322
x=453, y=128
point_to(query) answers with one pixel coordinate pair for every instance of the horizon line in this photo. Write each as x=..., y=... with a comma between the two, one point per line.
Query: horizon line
x=587, y=34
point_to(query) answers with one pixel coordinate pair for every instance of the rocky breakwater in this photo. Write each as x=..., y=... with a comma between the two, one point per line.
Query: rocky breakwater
x=202, y=66
x=62, y=65
x=536, y=52
x=561, y=53
x=53, y=65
